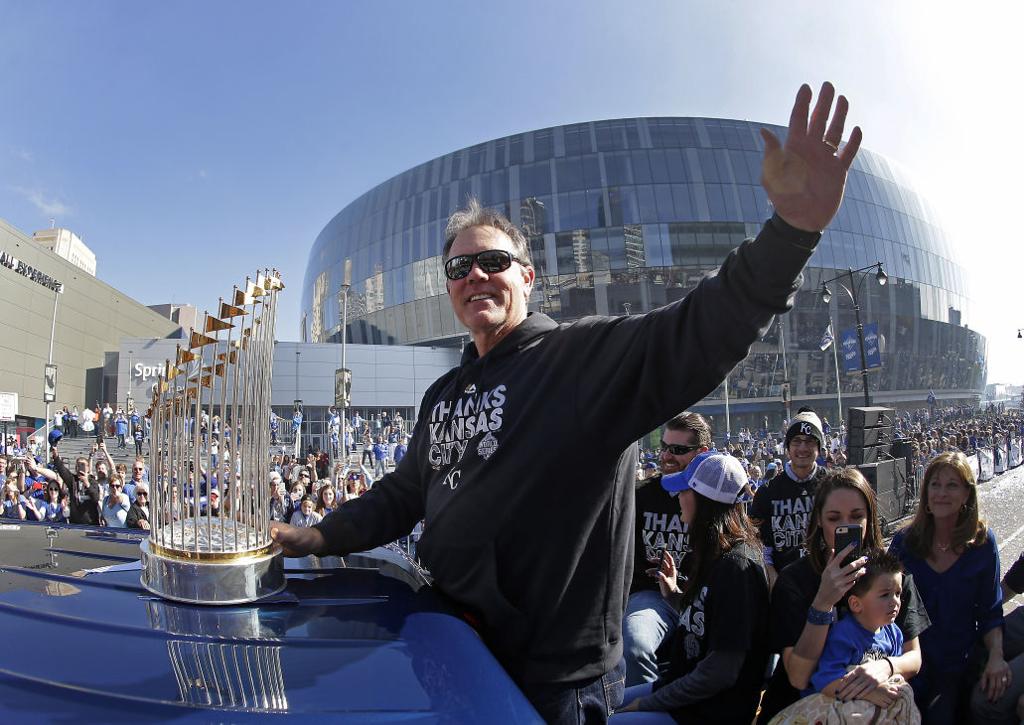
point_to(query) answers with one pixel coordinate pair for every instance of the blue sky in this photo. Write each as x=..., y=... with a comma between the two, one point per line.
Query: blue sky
x=189, y=143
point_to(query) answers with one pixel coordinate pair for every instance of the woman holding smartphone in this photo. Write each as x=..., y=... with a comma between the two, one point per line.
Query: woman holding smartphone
x=955, y=561
x=807, y=592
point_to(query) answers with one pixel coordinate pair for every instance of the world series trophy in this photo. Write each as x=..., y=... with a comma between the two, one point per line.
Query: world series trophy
x=201, y=551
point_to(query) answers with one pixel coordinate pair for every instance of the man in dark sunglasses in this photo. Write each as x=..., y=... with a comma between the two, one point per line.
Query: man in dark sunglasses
x=538, y=556
x=649, y=619
x=490, y=278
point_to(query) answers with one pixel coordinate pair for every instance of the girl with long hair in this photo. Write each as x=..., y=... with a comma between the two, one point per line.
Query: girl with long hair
x=325, y=502
x=720, y=647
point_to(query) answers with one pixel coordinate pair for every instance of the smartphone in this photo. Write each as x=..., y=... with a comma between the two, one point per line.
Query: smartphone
x=846, y=535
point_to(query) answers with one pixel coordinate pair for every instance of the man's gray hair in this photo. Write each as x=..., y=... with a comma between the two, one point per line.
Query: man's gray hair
x=476, y=215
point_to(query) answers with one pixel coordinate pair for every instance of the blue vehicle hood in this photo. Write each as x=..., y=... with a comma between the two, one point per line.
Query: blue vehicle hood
x=359, y=639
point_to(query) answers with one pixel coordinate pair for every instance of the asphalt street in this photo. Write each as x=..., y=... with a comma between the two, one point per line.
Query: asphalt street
x=1002, y=507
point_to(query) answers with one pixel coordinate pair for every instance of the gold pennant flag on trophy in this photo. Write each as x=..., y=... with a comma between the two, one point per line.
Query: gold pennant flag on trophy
x=275, y=282
x=207, y=381
x=220, y=370
x=231, y=358
x=241, y=298
x=172, y=373
x=198, y=340
x=215, y=325
x=185, y=356
x=228, y=311
x=253, y=290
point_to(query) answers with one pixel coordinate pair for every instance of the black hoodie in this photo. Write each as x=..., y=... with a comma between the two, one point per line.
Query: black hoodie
x=541, y=553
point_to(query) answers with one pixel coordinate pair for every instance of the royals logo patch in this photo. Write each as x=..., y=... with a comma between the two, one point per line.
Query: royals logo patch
x=487, y=446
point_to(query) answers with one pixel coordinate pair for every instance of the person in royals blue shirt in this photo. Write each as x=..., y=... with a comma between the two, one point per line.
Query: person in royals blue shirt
x=869, y=631
x=955, y=562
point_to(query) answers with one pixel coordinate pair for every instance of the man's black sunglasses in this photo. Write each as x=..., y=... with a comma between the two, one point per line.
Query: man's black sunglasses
x=677, y=450
x=490, y=261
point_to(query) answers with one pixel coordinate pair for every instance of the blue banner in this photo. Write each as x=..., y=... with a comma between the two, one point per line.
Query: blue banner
x=850, y=348
x=872, y=345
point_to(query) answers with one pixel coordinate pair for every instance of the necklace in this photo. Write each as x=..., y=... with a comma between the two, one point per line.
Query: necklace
x=943, y=547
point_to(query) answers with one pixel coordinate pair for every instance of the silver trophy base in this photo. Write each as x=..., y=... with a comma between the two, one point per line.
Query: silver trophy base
x=239, y=580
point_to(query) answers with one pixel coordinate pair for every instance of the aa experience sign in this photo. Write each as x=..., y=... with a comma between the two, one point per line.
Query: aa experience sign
x=13, y=263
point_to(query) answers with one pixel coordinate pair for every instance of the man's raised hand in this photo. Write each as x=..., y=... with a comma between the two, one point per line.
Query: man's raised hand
x=805, y=177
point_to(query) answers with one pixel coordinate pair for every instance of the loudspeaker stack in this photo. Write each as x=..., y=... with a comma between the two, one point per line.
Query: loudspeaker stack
x=869, y=435
x=869, y=448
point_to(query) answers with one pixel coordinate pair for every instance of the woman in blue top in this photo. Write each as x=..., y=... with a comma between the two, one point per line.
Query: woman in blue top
x=53, y=508
x=955, y=562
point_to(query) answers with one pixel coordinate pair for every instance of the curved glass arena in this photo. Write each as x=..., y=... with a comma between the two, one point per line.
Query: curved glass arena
x=626, y=215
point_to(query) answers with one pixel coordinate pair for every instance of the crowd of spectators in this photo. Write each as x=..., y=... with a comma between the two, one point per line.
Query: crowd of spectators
x=932, y=431
x=929, y=432
x=912, y=635
x=94, y=490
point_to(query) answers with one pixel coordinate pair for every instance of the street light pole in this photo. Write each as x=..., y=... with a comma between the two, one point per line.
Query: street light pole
x=860, y=340
x=788, y=396
x=49, y=361
x=128, y=386
x=344, y=366
x=826, y=296
x=295, y=410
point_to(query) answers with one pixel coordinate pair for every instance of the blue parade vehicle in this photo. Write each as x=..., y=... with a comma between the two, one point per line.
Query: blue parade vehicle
x=362, y=638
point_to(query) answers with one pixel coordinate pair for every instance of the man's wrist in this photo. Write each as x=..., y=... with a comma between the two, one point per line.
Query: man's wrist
x=800, y=237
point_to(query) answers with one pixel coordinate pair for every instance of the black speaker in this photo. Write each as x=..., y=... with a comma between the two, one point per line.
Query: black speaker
x=904, y=448
x=856, y=455
x=869, y=436
x=888, y=479
x=870, y=417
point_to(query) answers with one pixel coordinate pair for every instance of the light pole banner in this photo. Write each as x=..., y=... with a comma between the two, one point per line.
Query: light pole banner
x=872, y=345
x=49, y=383
x=849, y=350
x=342, y=388
x=8, y=407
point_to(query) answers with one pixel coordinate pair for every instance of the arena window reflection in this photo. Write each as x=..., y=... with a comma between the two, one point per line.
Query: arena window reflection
x=630, y=214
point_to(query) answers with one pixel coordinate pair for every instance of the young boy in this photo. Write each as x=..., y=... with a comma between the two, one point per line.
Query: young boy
x=868, y=632
x=306, y=516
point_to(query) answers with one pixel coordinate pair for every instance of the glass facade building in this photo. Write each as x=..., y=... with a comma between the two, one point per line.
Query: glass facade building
x=626, y=215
